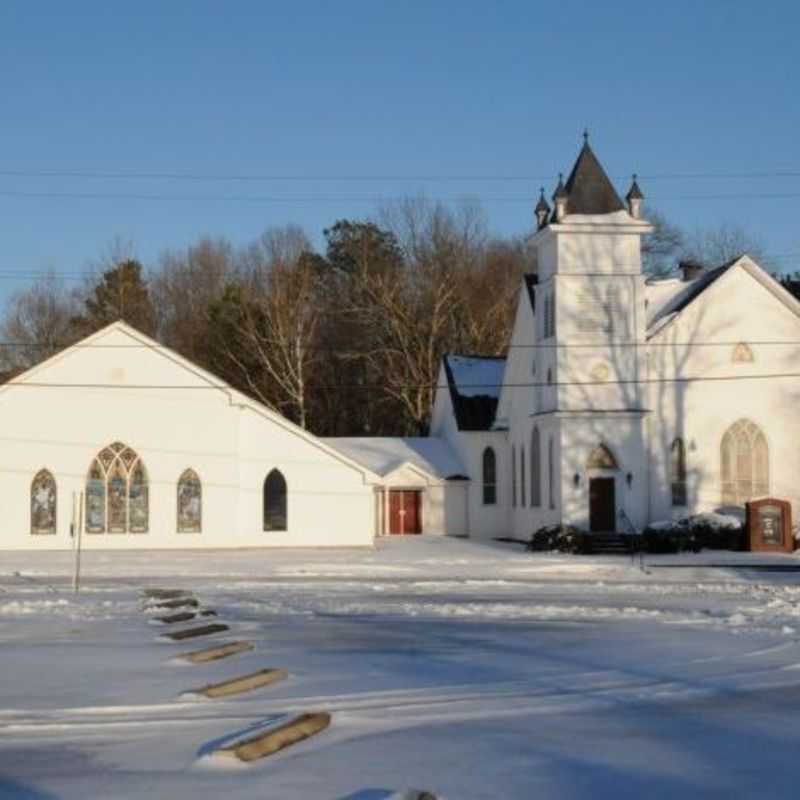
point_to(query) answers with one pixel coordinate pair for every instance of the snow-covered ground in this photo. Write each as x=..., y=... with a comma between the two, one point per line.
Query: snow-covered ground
x=471, y=670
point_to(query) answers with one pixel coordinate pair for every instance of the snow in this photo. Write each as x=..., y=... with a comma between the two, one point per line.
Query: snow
x=477, y=376
x=383, y=455
x=466, y=669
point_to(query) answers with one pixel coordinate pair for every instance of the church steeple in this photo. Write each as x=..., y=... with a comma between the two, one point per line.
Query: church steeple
x=588, y=188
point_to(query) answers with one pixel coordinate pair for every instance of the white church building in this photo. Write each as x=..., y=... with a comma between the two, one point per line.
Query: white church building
x=622, y=401
x=625, y=400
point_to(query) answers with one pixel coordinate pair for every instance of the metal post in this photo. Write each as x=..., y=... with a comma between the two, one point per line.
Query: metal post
x=76, y=577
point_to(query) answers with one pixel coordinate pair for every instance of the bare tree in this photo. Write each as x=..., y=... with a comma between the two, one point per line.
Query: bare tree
x=265, y=326
x=184, y=287
x=38, y=322
x=712, y=247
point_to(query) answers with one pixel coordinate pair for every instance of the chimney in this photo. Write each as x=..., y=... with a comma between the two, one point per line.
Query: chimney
x=690, y=269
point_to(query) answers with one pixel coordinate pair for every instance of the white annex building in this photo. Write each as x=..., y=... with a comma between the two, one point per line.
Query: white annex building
x=622, y=401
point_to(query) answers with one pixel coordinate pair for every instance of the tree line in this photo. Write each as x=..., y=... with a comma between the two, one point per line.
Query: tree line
x=347, y=341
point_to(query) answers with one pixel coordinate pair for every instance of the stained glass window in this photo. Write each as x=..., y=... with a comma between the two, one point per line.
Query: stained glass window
x=43, y=503
x=117, y=492
x=190, y=503
x=275, y=516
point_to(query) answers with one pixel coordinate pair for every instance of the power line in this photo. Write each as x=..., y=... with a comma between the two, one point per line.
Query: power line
x=429, y=385
x=193, y=176
x=345, y=199
x=344, y=351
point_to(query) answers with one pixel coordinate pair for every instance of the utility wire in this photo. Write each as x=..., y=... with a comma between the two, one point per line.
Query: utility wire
x=247, y=178
x=345, y=199
x=429, y=385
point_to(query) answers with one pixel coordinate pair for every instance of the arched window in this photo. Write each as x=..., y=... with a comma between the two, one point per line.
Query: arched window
x=742, y=353
x=117, y=494
x=601, y=458
x=489, y=477
x=513, y=476
x=275, y=516
x=551, y=471
x=536, y=469
x=190, y=503
x=43, y=503
x=522, y=500
x=677, y=469
x=744, y=456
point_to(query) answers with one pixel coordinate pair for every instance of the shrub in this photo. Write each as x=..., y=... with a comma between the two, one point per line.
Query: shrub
x=561, y=538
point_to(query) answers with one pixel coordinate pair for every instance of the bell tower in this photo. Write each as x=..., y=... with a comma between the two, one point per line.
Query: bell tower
x=592, y=290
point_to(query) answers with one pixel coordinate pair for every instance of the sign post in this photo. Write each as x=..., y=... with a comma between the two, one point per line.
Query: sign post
x=76, y=575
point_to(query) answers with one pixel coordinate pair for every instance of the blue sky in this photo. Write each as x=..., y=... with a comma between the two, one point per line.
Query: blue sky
x=395, y=93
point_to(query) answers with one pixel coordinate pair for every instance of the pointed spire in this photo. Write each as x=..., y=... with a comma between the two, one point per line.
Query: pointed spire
x=634, y=193
x=588, y=188
x=542, y=210
x=634, y=199
x=560, y=199
x=586, y=137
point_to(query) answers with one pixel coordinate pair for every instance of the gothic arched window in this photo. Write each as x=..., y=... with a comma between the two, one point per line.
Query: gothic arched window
x=536, y=469
x=43, y=503
x=489, y=477
x=601, y=458
x=744, y=457
x=117, y=494
x=551, y=472
x=522, y=500
x=190, y=503
x=275, y=515
x=742, y=354
x=677, y=470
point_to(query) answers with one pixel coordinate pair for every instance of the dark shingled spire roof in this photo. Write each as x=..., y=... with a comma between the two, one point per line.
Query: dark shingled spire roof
x=634, y=193
x=542, y=204
x=589, y=191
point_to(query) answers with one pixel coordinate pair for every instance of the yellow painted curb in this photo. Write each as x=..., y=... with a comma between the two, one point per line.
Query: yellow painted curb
x=165, y=594
x=214, y=653
x=191, y=633
x=180, y=602
x=183, y=616
x=289, y=733
x=247, y=683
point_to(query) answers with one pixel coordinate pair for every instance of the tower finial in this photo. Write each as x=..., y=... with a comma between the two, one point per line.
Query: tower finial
x=586, y=135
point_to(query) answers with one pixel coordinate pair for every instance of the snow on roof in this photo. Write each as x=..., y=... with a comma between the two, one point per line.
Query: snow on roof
x=475, y=376
x=382, y=454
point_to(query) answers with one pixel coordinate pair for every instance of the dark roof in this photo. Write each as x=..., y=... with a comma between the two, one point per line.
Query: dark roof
x=473, y=411
x=589, y=190
x=699, y=285
x=530, y=284
x=693, y=290
x=634, y=193
x=542, y=204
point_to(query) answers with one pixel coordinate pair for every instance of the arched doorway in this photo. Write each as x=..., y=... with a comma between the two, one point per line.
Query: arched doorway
x=600, y=467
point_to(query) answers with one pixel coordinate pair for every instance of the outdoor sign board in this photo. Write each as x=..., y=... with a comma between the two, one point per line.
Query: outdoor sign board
x=769, y=525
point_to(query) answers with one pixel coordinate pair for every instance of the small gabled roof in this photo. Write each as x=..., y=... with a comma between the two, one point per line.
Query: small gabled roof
x=474, y=383
x=589, y=190
x=385, y=455
x=688, y=292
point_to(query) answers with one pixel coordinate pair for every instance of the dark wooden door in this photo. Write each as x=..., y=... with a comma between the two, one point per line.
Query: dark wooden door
x=404, y=511
x=602, y=505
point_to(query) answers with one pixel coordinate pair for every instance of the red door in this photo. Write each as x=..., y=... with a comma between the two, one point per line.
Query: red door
x=404, y=511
